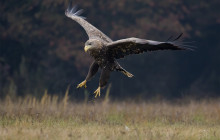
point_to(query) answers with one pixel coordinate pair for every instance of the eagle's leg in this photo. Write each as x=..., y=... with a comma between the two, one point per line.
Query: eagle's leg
x=105, y=75
x=122, y=70
x=92, y=71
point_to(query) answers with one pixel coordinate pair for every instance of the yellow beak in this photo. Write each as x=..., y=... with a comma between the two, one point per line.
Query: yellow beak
x=86, y=48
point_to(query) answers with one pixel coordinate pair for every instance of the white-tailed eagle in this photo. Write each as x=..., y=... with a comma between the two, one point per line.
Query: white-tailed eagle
x=106, y=52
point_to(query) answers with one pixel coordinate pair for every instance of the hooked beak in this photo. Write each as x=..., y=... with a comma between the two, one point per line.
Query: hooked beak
x=86, y=48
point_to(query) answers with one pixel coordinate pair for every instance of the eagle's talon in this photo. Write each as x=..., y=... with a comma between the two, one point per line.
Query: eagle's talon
x=82, y=84
x=97, y=92
x=128, y=74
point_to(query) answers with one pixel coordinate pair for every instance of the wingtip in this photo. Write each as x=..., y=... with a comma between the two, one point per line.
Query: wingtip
x=185, y=46
x=178, y=37
x=182, y=45
x=72, y=11
x=170, y=39
x=187, y=49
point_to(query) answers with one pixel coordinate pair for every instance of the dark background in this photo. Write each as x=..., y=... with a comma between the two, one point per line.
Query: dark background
x=41, y=49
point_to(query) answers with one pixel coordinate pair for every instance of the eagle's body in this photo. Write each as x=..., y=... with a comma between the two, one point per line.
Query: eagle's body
x=105, y=52
x=103, y=58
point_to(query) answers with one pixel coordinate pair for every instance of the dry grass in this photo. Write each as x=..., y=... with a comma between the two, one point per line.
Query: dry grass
x=53, y=118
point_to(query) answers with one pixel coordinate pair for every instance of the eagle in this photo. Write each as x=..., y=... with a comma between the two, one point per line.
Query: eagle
x=105, y=51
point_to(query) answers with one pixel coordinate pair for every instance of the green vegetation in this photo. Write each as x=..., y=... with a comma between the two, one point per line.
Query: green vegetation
x=51, y=117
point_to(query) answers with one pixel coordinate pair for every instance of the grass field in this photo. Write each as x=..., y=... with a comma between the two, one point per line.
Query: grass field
x=54, y=118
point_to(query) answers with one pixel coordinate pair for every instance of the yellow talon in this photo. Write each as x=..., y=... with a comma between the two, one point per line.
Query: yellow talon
x=127, y=74
x=97, y=92
x=82, y=84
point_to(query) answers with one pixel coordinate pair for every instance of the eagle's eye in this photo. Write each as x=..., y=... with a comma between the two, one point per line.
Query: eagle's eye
x=89, y=43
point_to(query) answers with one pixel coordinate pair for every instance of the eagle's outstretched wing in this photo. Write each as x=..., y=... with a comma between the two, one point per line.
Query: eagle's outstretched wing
x=121, y=48
x=91, y=31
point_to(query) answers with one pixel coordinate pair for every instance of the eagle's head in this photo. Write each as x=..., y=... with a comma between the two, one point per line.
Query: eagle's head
x=93, y=44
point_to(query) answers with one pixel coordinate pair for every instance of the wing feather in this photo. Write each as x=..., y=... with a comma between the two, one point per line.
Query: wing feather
x=91, y=31
x=124, y=47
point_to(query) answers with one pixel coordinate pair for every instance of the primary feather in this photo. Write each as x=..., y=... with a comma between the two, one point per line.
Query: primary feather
x=124, y=47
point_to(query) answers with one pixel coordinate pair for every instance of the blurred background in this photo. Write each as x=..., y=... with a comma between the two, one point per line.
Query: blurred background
x=42, y=50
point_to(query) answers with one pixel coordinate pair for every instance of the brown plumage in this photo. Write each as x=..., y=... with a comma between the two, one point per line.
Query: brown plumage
x=105, y=51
